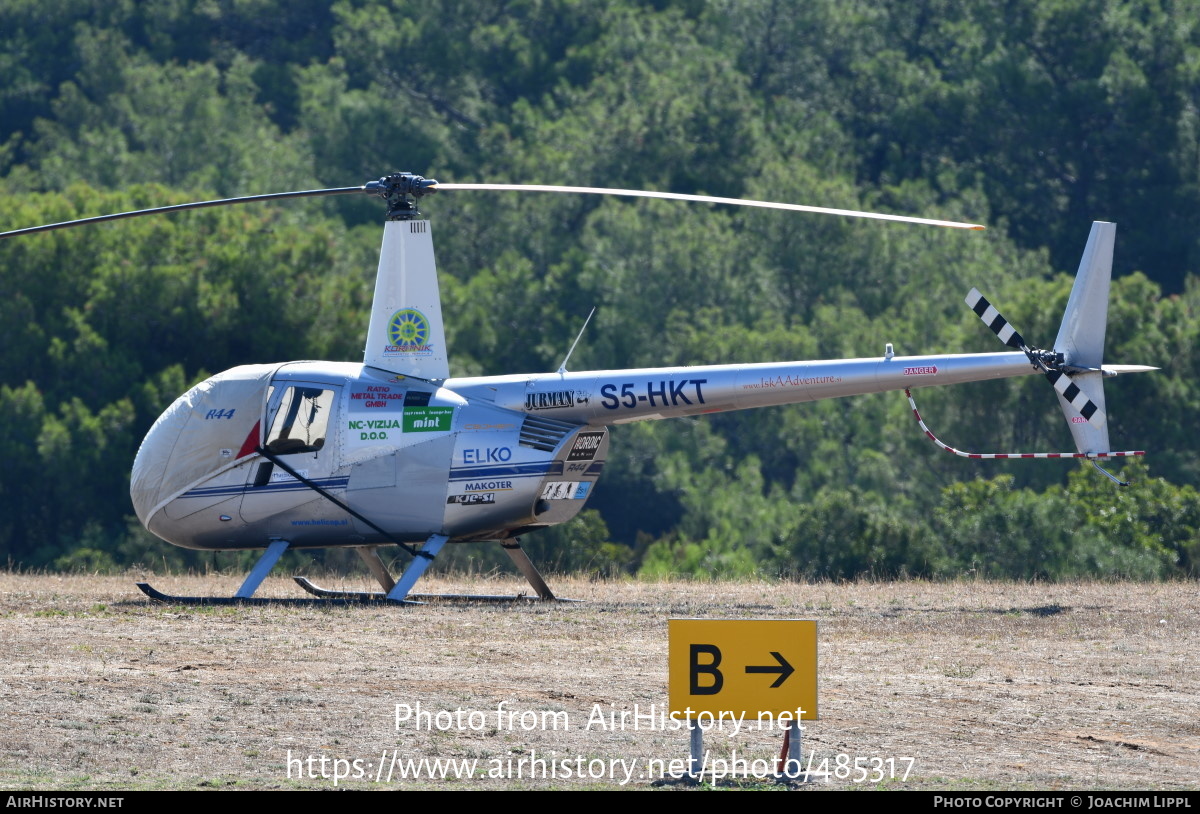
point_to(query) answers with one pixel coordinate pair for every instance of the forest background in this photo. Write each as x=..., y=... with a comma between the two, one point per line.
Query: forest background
x=1035, y=117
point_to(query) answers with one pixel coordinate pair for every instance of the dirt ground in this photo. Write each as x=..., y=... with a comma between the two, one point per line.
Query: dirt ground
x=964, y=685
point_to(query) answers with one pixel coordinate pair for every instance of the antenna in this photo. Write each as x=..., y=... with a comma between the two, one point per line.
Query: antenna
x=563, y=367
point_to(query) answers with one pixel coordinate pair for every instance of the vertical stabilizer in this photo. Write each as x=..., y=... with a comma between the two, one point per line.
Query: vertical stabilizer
x=406, y=333
x=1081, y=336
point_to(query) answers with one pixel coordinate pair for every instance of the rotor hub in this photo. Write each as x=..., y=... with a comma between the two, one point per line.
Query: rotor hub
x=1045, y=360
x=396, y=190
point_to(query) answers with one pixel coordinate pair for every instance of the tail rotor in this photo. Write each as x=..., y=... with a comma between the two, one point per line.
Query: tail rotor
x=1074, y=365
x=1051, y=363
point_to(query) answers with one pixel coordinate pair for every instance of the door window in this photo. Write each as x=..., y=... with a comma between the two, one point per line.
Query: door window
x=301, y=421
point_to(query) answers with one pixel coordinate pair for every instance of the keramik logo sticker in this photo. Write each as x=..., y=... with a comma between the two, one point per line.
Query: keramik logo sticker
x=408, y=333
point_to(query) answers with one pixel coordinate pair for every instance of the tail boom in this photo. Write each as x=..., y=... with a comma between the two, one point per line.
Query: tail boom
x=622, y=396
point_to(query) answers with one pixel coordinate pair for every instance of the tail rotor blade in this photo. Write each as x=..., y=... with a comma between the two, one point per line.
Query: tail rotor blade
x=1076, y=397
x=994, y=320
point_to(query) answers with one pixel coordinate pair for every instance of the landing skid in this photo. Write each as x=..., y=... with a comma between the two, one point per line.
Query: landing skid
x=377, y=596
x=159, y=596
x=394, y=592
x=245, y=594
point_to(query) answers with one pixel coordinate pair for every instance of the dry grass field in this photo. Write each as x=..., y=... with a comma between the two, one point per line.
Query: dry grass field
x=983, y=685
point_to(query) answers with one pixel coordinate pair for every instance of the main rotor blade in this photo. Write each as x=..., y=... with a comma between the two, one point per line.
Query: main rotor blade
x=158, y=210
x=679, y=196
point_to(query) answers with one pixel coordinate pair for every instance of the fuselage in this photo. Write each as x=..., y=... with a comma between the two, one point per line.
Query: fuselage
x=479, y=458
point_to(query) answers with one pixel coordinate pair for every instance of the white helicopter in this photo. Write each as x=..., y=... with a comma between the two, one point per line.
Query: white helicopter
x=394, y=451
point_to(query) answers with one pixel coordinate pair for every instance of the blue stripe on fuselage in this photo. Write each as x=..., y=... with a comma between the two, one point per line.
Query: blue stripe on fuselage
x=506, y=471
x=274, y=486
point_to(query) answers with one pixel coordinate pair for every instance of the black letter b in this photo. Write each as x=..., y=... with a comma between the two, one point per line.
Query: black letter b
x=711, y=668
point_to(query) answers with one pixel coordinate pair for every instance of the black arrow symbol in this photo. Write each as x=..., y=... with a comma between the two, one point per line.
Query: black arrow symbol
x=784, y=669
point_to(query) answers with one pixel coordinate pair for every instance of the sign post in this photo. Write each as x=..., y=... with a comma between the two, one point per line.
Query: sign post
x=760, y=670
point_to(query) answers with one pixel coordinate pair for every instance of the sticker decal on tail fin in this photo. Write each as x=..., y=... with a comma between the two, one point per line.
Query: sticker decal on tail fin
x=408, y=332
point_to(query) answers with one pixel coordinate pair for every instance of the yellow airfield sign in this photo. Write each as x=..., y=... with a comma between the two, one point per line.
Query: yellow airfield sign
x=745, y=669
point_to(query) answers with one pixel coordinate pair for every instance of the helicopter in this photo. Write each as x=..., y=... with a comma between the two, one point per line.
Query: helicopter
x=395, y=451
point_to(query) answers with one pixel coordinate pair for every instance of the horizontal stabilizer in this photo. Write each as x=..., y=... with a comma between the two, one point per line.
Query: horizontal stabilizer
x=1116, y=370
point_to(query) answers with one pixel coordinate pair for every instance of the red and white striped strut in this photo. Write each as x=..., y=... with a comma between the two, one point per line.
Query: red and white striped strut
x=1002, y=455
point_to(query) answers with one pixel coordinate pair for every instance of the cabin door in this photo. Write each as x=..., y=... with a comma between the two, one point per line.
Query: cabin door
x=301, y=431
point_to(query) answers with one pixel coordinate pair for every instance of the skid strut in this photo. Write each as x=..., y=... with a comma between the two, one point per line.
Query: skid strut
x=371, y=557
x=244, y=594
x=528, y=570
x=250, y=584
